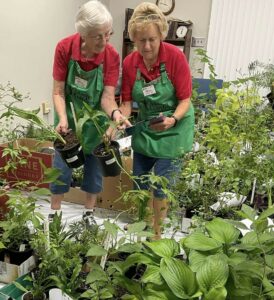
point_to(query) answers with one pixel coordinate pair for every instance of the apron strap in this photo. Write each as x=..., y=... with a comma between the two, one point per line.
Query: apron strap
x=163, y=73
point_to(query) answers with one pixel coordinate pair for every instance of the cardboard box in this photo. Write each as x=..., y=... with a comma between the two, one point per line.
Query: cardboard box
x=32, y=170
x=9, y=272
x=113, y=187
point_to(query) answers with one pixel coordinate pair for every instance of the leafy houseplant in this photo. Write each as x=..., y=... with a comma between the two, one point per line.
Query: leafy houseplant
x=16, y=233
x=107, y=151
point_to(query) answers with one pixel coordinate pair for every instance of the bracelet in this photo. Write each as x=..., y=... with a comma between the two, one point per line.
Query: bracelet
x=112, y=113
x=176, y=120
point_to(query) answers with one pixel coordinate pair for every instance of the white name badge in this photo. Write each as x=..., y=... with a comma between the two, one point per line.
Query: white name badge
x=80, y=82
x=149, y=90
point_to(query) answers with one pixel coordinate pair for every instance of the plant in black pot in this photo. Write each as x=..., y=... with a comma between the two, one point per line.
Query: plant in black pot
x=16, y=232
x=66, y=144
x=107, y=151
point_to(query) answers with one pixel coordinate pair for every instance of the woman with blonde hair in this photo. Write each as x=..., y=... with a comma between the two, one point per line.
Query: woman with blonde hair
x=157, y=77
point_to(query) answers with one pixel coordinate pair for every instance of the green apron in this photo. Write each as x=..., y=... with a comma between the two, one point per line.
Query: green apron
x=154, y=97
x=82, y=86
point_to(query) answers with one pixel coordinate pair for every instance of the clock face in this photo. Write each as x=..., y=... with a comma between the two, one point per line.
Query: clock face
x=181, y=31
x=166, y=6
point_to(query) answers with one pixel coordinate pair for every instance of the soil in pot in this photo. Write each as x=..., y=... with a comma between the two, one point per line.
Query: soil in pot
x=110, y=161
x=71, y=152
x=29, y=296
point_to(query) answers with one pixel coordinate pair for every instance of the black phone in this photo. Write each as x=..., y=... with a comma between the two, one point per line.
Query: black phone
x=156, y=120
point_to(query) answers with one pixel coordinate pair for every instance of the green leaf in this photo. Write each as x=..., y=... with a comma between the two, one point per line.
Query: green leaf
x=111, y=228
x=266, y=213
x=213, y=274
x=96, y=275
x=179, y=277
x=249, y=212
x=137, y=258
x=96, y=250
x=270, y=260
x=199, y=241
x=219, y=293
x=222, y=231
x=152, y=275
x=130, y=248
x=196, y=259
x=164, y=247
x=136, y=227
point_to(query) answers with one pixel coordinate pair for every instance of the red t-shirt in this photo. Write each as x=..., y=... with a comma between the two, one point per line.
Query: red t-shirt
x=69, y=48
x=176, y=66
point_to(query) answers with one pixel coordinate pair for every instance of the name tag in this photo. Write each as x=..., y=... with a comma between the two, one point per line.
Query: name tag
x=80, y=82
x=149, y=90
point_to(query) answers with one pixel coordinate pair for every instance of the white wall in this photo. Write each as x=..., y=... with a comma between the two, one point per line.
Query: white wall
x=198, y=11
x=29, y=31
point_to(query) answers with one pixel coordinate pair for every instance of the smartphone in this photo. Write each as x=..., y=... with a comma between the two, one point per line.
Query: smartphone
x=156, y=120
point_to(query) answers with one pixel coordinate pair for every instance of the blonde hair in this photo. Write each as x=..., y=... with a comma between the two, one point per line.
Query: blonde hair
x=141, y=17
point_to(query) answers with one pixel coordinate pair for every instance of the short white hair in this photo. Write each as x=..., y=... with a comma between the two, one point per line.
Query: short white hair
x=91, y=15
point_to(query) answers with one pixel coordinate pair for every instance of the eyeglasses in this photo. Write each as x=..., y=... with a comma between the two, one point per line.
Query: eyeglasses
x=147, y=18
x=102, y=36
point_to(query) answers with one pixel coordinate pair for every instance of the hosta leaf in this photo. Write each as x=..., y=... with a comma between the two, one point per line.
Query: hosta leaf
x=164, y=247
x=152, y=275
x=199, y=241
x=222, y=231
x=179, y=277
x=237, y=258
x=213, y=274
x=137, y=258
x=196, y=259
x=216, y=294
x=153, y=292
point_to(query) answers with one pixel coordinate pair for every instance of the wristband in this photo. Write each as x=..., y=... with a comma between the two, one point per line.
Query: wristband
x=112, y=113
x=176, y=120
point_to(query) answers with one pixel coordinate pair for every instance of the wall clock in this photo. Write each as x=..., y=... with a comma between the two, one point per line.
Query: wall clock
x=166, y=6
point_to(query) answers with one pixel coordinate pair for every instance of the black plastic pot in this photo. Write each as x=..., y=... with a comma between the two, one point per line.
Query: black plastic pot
x=18, y=257
x=72, y=152
x=110, y=162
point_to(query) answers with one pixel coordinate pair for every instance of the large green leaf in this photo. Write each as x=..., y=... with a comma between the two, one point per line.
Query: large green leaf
x=96, y=250
x=179, y=277
x=136, y=227
x=236, y=258
x=222, y=231
x=152, y=275
x=196, y=259
x=199, y=241
x=137, y=258
x=213, y=274
x=266, y=213
x=164, y=247
x=155, y=292
x=219, y=293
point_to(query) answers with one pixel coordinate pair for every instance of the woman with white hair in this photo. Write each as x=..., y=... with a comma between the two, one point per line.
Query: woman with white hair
x=86, y=69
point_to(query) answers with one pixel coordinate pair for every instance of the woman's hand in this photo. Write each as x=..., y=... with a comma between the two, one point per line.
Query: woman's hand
x=167, y=123
x=62, y=126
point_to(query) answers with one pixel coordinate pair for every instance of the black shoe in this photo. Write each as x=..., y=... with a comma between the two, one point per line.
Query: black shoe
x=50, y=217
x=88, y=218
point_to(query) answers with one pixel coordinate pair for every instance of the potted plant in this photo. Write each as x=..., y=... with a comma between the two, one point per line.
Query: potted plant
x=16, y=233
x=107, y=151
x=67, y=144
